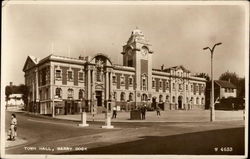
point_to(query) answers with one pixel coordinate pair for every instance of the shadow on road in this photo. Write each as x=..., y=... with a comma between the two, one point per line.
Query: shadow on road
x=228, y=142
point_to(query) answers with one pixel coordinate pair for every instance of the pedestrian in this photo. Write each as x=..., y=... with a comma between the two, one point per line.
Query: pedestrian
x=158, y=109
x=143, y=112
x=114, y=112
x=13, y=128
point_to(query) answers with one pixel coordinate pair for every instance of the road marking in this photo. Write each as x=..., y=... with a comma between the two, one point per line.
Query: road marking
x=50, y=122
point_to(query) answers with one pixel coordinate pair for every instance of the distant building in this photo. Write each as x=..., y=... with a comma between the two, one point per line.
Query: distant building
x=15, y=101
x=222, y=89
x=64, y=85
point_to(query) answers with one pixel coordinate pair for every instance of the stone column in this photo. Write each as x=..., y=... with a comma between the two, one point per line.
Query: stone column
x=84, y=120
x=108, y=122
x=110, y=86
x=107, y=86
x=37, y=90
x=88, y=88
x=52, y=90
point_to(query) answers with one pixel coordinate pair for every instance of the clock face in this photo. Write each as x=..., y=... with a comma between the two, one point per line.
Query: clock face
x=144, y=51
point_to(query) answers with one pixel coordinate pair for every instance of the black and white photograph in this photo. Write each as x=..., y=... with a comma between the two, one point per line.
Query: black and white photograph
x=124, y=79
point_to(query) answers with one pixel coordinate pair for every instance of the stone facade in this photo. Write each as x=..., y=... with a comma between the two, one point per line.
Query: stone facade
x=63, y=85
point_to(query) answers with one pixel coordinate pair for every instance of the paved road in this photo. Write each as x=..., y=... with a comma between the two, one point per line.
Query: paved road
x=52, y=136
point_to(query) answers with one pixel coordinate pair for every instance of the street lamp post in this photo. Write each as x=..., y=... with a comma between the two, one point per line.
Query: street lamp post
x=212, y=113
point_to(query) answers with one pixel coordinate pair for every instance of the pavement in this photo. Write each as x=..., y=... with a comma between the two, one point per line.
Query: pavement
x=166, y=116
x=39, y=134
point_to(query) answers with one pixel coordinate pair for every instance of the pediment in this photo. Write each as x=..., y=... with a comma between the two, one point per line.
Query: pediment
x=30, y=63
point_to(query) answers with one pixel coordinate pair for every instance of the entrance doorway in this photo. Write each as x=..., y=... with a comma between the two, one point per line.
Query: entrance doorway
x=180, y=102
x=99, y=98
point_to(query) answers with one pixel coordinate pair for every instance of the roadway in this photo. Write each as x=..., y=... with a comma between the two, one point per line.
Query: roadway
x=53, y=136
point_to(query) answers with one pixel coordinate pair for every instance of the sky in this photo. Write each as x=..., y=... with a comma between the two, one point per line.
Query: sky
x=178, y=34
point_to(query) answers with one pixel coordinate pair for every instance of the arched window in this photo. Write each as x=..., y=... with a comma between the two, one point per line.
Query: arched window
x=81, y=94
x=167, y=98
x=70, y=93
x=173, y=85
x=173, y=99
x=122, y=98
x=160, y=98
x=59, y=92
x=202, y=100
x=192, y=100
x=167, y=85
x=130, y=97
x=144, y=82
x=160, y=84
x=197, y=100
x=144, y=97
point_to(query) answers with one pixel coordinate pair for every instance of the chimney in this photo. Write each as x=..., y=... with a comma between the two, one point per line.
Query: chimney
x=81, y=57
x=11, y=84
x=162, y=67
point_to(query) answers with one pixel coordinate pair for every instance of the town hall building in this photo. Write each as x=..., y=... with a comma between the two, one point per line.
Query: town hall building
x=65, y=85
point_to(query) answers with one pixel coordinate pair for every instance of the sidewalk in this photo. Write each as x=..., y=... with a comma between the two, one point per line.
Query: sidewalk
x=166, y=116
x=18, y=141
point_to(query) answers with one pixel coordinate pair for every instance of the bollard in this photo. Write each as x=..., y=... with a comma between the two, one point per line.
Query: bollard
x=108, y=122
x=84, y=120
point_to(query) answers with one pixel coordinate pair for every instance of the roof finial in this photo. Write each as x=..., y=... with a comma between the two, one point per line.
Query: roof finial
x=136, y=27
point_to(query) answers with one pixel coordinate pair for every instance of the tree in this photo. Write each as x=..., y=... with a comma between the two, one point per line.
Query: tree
x=23, y=89
x=8, y=92
x=230, y=76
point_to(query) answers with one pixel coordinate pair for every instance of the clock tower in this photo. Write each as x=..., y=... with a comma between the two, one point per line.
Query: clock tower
x=137, y=53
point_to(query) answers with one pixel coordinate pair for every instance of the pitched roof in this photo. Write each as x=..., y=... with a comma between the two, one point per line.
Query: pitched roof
x=225, y=84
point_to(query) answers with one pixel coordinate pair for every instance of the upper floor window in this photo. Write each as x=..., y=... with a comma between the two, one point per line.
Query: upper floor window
x=167, y=85
x=160, y=84
x=192, y=89
x=173, y=85
x=122, y=80
x=143, y=82
x=81, y=76
x=130, y=81
x=180, y=86
x=187, y=87
x=70, y=75
x=114, y=79
x=153, y=84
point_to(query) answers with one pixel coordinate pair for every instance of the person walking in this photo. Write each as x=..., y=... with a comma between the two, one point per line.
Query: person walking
x=114, y=112
x=13, y=128
x=143, y=112
x=158, y=109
